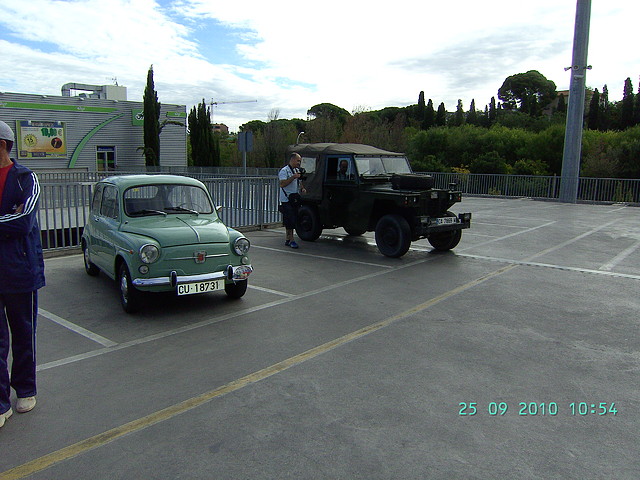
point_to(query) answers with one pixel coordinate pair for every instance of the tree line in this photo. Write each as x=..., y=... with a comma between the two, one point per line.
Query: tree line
x=522, y=132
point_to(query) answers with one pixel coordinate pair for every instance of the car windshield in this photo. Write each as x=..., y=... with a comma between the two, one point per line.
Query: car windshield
x=382, y=165
x=166, y=199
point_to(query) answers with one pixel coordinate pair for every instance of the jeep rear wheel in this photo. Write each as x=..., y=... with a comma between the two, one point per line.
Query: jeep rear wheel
x=308, y=226
x=393, y=235
x=444, y=241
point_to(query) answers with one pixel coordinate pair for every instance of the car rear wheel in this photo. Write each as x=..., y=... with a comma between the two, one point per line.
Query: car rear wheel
x=129, y=295
x=89, y=267
x=308, y=226
x=237, y=289
x=393, y=235
x=444, y=241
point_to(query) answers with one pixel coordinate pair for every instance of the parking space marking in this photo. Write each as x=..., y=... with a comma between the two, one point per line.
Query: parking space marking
x=105, y=342
x=222, y=318
x=268, y=290
x=341, y=260
x=548, y=265
x=527, y=230
x=620, y=257
x=102, y=439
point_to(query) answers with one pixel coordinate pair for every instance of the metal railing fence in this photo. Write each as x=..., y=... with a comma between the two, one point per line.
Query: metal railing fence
x=252, y=201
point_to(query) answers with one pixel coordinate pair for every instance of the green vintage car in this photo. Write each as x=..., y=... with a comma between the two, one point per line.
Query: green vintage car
x=162, y=233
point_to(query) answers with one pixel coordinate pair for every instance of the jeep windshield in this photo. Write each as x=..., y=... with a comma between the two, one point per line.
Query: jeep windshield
x=381, y=165
x=166, y=199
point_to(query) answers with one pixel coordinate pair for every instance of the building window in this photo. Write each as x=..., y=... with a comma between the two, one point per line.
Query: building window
x=106, y=158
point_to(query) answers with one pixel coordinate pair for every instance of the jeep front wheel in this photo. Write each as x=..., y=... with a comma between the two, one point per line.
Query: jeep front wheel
x=393, y=235
x=308, y=226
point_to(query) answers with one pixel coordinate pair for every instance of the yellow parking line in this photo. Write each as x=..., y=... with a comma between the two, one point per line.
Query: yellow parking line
x=109, y=436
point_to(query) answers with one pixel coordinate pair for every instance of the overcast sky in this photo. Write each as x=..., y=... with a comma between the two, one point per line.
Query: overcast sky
x=290, y=55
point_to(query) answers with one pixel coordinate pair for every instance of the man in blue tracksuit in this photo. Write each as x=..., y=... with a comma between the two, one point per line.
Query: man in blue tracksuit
x=21, y=275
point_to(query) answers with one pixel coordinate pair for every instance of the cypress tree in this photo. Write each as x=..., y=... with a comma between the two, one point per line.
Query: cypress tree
x=201, y=136
x=441, y=115
x=593, y=117
x=151, y=112
x=429, y=116
x=605, y=110
x=472, y=115
x=421, y=108
x=493, y=112
x=626, y=117
x=459, y=116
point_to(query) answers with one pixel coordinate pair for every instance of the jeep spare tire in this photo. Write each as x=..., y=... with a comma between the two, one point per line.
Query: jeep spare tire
x=308, y=226
x=411, y=181
x=393, y=235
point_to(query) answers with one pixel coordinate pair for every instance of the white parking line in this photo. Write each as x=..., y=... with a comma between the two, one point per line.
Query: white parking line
x=548, y=265
x=222, y=318
x=527, y=230
x=290, y=251
x=620, y=257
x=268, y=290
x=77, y=328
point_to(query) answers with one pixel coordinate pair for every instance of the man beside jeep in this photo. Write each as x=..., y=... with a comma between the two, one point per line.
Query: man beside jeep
x=290, y=188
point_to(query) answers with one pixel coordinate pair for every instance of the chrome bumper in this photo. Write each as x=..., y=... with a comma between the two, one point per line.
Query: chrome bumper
x=231, y=273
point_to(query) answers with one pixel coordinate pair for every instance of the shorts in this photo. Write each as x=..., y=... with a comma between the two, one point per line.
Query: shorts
x=289, y=214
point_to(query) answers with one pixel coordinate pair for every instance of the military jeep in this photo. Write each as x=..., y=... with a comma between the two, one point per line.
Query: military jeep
x=364, y=189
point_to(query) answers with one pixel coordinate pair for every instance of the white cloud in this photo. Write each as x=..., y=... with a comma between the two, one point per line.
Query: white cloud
x=291, y=55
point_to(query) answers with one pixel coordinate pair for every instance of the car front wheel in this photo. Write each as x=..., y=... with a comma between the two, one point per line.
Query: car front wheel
x=237, y=289
x=393, y=235
x=129, y=296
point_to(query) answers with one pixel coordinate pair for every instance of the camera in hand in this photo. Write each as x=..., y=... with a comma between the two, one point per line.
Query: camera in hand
x=302, y=173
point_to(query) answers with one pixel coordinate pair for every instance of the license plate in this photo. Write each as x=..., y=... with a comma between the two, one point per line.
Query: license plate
x=200, y=287
x=446, y=220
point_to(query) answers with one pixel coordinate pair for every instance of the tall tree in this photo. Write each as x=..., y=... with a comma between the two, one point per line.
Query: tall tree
x=493, y=111
x=593, y=117
x=151, y=112
x=201, y=137
x=472, y=114
x=528, y=91
x=429, y=116
x=441, y=115
x=626, y=114
x=636, y=108
x=605, y=110
x=420, y=110
x=458, y=118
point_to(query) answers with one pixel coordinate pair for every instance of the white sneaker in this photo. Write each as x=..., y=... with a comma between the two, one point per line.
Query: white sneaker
x=4, y=416
x=25, y=405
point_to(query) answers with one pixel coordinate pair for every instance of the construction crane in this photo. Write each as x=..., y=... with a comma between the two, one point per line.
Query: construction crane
x=224, y=103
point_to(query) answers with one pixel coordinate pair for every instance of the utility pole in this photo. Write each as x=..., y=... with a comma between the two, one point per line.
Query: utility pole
x=575, y=110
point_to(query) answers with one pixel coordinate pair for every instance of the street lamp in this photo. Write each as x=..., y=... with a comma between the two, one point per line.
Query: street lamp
x=298, y=139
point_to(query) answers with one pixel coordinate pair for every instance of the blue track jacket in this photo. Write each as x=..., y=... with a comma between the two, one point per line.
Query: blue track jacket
x=21, y=261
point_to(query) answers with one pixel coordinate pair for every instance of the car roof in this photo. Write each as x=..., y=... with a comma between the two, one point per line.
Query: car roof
x=126, y=181
x=338, y=149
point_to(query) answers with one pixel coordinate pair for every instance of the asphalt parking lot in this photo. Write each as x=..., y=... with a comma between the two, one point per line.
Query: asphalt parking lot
x=516, y=356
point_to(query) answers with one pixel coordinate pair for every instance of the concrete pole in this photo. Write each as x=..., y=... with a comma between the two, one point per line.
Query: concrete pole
x=575, y=110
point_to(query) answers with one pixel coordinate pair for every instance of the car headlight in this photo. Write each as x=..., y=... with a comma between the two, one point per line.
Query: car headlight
x=241, y=246
x=149, y=253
